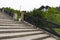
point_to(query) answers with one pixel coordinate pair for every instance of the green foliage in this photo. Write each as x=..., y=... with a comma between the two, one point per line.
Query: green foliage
x=57, y=30
x=9, y=9
x=36, y=12
x=52, y=15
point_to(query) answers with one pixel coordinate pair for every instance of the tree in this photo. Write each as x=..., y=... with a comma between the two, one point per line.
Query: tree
x=41, y=7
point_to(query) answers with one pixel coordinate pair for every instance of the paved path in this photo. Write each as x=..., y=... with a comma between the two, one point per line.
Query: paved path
x=13, y=30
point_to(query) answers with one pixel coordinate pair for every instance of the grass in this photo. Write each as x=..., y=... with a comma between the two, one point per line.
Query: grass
x=57, y=30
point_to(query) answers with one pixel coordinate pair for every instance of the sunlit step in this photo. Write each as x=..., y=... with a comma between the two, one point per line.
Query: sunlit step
x=6, y=19
x=3, y=32
x=50, y=38
x=30, y=37
x=21, y=33
x=14, y=26
x=9, y=24
x=16, y=29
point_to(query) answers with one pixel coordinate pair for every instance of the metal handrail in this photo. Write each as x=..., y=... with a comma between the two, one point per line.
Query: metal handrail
x=9, y=13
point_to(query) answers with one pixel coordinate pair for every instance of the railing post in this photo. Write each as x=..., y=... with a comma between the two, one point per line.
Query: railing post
x=22, y=15
x=15, y=16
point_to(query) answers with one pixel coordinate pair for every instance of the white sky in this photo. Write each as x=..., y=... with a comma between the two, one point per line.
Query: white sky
x=28, y=5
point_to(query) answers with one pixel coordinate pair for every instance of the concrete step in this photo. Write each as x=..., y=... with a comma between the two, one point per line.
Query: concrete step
x=41, y=38
x=50, y=38
x=10, y=24
x=15, y=26
x=17, y=30
x=5, y=19
x=29, y=37
x=2, y=22
x=4, y=16
x=13, y=23
x=46, y=38
x=21, y=33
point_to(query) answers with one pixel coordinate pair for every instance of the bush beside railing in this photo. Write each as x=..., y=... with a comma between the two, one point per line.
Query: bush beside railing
x=43, y=24
x=52, y=15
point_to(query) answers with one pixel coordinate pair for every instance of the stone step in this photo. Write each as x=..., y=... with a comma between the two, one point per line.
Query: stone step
x=1, y=17
x=46, y=38
x=17, y=29
x=27, y=37
x=20, y=33
x=5, y=19
x=4, y=23
x=12, y=22
x=4, y=16
x=9, y=24
x=14, y=26
x=41, y=38
x=50, y=38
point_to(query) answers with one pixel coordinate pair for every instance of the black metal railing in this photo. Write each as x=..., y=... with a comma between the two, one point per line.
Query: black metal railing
x=43, y=24
x=9, y=13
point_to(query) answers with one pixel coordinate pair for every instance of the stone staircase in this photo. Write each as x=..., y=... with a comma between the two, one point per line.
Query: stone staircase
x=13, y=30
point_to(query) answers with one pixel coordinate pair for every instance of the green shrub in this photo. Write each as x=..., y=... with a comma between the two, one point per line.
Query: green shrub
x=52, y=15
